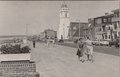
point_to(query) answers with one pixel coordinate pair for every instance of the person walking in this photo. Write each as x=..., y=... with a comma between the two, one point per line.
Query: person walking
x=53, y=41
x=34, y=43
x=80, y=50
x=48, y=41
x=89, y=49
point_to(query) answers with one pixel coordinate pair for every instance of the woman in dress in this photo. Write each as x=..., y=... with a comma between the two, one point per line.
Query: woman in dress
x=80, y=49
x=89, y=49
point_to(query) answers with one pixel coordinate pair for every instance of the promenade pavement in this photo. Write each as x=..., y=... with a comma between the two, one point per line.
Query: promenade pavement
x=61, y=61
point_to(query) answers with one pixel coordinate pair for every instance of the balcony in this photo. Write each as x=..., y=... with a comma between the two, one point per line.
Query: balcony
x=100, y=32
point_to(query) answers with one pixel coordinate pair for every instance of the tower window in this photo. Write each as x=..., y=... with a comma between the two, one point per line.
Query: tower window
x=109, y=36
x=65, y=14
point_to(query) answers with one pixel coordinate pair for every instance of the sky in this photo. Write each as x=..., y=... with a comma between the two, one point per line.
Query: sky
x=41, y=15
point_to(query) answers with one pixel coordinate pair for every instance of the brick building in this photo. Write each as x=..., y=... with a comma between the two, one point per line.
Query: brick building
x=77, y=30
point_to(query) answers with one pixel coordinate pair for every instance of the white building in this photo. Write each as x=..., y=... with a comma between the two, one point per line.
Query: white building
x=64, y=22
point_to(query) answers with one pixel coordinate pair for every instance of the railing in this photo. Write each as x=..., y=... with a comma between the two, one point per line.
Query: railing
x=115, y=19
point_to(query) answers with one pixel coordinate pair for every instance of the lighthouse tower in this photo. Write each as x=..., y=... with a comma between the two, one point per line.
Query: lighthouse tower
x=64, y=22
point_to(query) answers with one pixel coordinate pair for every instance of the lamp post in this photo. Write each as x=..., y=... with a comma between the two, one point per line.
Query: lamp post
x=79, y=27
x=111, y=31
x=26, y=30
x=63, y=31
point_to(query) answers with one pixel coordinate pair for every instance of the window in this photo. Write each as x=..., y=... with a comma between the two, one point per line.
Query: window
x=105, y=36
x=74, y=28
x=115, y=25
x=118, y=14
x=98, y=21
x=65, y=14
x=119, y=23
x=109, y=36
x=115, y=36
x=104, y=20
x=114, y=15
x=109, y=28
x=99, y=29
x=109, y=19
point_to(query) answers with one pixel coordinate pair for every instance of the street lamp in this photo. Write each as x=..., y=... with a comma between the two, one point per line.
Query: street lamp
x=26, y=30
x=111, y=31
x=63, y=31
x=79, y=30
x=79, y=27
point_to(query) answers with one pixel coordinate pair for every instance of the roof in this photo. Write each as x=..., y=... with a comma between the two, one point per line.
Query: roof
x=109, y=15
x=116, y=10
x=78, y=22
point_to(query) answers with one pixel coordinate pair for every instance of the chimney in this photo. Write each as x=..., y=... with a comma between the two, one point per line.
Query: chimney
x=90, y=19
x=107, y=13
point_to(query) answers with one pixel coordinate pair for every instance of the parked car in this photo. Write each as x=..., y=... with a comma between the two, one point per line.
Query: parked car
x=101, y=43
x=61, y=41
x=115, y=43
x=97, y=43
x=76, y=41
x=104, y=43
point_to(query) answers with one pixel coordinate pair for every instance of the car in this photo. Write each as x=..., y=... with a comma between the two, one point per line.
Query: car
x=76, y=41
x=100, y=43
x=115, y=43
x=61, y=41
x=104, y=43
x=96, y=43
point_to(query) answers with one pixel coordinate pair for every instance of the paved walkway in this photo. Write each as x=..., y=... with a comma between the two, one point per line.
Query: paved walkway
x=61, y=61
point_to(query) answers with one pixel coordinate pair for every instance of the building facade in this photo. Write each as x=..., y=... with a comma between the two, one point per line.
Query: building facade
x=116, y=24
x=103, y=25
x=50, y=33
x=107, y=27
x=64, y=22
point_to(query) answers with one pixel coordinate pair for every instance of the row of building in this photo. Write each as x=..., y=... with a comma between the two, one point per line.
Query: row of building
x=106, y=27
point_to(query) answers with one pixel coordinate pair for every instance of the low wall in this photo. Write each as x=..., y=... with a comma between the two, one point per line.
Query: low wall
x=15, y=57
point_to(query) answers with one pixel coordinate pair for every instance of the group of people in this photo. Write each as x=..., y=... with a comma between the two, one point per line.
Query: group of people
x=85, y=47
x=51, y=41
